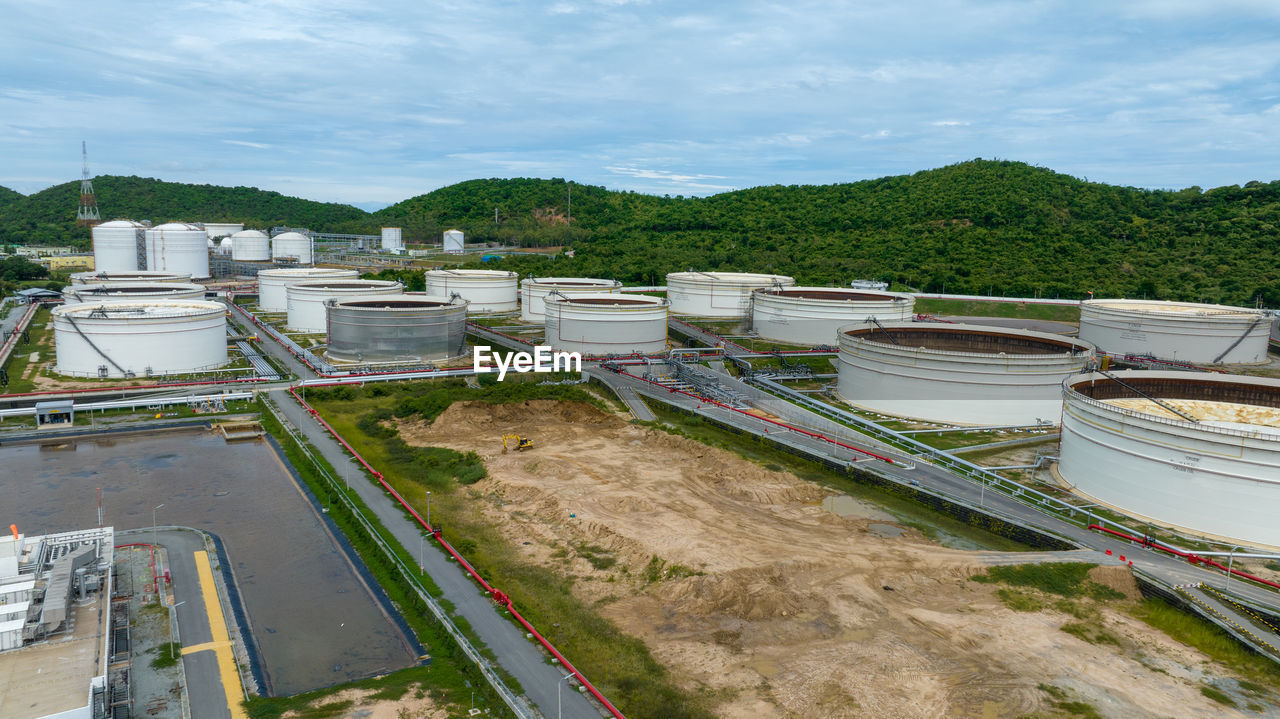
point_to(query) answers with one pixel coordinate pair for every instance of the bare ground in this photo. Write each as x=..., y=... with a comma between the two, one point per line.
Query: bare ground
x=779, y=606
x=364, y=706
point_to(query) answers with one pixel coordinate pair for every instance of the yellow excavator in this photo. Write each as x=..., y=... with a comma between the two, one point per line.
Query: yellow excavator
x=516, y=442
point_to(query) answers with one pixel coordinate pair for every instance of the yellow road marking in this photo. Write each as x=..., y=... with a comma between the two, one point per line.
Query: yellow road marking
x=221, y=644
x=207, y=646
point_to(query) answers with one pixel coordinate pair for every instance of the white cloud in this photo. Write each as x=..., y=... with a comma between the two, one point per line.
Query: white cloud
x=246, y=143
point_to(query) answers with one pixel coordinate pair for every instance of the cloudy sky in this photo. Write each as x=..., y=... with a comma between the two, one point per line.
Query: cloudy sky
x=334, y=101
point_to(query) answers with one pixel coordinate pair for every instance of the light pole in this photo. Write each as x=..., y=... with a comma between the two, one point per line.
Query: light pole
x=560, y=684
x=173, y=625
x=1231, y=557
x=153, y=526
x=422, y=554
x=429, y=511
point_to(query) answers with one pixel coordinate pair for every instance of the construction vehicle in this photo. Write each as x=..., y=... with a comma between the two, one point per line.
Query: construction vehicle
x=515, y=441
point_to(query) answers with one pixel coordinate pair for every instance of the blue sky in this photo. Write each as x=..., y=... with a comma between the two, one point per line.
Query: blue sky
x=370, y=105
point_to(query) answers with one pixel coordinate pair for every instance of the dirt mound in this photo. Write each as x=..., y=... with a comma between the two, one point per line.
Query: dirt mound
x=751, y=594
x=1118, y=578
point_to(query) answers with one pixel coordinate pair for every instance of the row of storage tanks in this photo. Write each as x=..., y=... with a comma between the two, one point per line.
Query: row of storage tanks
x=128, y=246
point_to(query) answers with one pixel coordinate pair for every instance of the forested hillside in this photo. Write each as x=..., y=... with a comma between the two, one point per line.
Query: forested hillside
x=48, y=217
x=975, y=227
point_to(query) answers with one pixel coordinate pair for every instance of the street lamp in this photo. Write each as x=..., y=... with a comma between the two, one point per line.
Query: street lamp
x=153, y=526
x=1231, y=557
x=560, y=684
x=429, y=511
x=173, y=623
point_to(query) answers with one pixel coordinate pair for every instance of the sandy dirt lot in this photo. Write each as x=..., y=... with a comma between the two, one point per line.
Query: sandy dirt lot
x=782, y=607
x=364, y=706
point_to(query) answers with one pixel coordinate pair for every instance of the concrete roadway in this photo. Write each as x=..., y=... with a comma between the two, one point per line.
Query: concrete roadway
x=521, y=657
x=1163, y=566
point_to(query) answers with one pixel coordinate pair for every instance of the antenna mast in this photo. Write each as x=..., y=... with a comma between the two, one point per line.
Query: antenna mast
x=87, y=215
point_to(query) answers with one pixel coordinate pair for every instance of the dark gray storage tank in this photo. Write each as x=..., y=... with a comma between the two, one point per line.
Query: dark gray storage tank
x=396, y=328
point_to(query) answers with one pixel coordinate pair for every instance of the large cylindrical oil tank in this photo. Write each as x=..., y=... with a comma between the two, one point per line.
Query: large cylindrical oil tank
x=132, y=291
x=1196, y=452
x=605, y=323
x=486, y=290
x=454, y=241
x=291, y=245
x=97, y=277
x=250, y=246
x=178, y=247
x=115, y=246
x=1179, y=331
x=813, y=315
x=533, y=290
x=273, y=283
x=139, y=338
x=222, y=229
x=308, y=301
x=958, y=374
x=718, y=294
x=396, y=328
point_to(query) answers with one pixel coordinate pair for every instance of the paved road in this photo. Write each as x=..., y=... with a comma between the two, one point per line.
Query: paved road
x=516, y=654
x=270, y=346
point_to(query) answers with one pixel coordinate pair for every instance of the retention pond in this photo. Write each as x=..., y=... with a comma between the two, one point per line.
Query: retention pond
x=316, y=621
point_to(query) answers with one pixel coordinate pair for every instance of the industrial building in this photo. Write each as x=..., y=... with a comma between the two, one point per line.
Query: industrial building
x=1178, y=331
x=725, y=295
x=958, y=374
x=54, y=614
x=100, y=276
x=214, y=230
x=308, y=302
x=533, y=290
x=139, y=338
x=396, y=328
x=813, y=315
x=178, y=247
x=273, y=283
x=605, y=323
x=1196, y=452
x=128, y=291
x=486, y=290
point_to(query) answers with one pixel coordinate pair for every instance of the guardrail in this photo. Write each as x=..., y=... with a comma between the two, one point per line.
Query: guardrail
x=499, y=597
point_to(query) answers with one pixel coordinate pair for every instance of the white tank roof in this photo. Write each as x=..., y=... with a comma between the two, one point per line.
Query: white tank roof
x=177, y=226
x=121, y=224
x=291, y=236
x=125, y=312
x=257, y=234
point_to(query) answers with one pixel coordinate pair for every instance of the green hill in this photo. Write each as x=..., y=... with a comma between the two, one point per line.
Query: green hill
x=48, y=216
x=974, y=227
x=7, y=196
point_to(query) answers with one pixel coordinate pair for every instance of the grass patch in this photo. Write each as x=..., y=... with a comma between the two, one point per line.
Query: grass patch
x=1218, y=696
x=619, y=665
x=979, y=308
x=1065, y=579
x=1019, y=601
x=167, y=655
x=1209, y=639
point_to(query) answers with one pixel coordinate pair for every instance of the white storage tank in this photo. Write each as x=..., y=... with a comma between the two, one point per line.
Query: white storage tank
x=392, y=238
x=97, y=277
x=1179, y=331
x=1196, y=452
x=115, y=246
x=273, y=283
x=486, y=290
x=250, y=246
x=178, y=247
x=396, y=328
x=131, y=291
x=308, y=301
x=533, y=290
x=454, y=241
x=718, y=294
x=222, y=229
x=139, y=338
x=957, y=374
x=291, y=245
x=813, y=315
x=226, y=246
x=606, y=324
